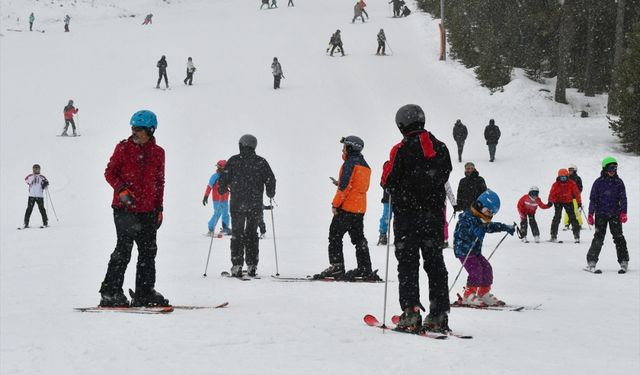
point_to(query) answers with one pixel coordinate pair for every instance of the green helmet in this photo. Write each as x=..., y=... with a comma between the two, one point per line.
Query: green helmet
x=608, y=160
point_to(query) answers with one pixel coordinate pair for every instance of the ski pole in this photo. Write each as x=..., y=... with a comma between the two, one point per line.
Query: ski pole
x=463, y=263
x=494, y=250
x=585, y=218
x=451, y=218
x=386, y=270
x=273, y=228
x=208, y=256
x=50, y=201
x=78, y=124
x=389, y=46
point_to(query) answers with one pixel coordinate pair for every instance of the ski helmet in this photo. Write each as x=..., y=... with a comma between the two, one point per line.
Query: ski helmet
x=144, y=119
x=608, y=160
x=563, y=172
x=534, y=188
x=410, y=117
x=248, y=140
x=492, y=122
x=221, y=164
x=573, y=166
x=353, y=143
x=489, y=200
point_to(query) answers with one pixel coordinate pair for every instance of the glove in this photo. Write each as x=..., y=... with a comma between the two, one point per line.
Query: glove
x=511, y=229
x=205, y=200
x=550, y=204
x=456, y=208
x=159, y=217
x=45, y=183
x=623, y=217
x=125, y=197
x=591, y=221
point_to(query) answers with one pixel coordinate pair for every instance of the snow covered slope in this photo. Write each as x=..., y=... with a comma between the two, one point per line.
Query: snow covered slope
x=589, y=323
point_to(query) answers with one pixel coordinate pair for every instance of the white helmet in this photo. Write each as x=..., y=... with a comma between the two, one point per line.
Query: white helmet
x=534, y=188
x=573, y=166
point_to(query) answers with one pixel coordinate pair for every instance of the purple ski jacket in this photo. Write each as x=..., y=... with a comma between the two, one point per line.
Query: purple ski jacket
x=608, y=196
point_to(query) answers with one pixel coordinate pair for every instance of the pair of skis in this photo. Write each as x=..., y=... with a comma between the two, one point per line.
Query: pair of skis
x=149, y=310
x=372, y=321
x=325, y=279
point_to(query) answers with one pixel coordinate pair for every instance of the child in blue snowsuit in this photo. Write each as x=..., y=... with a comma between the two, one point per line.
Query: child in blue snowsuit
x=220, y=202
x=472, y=225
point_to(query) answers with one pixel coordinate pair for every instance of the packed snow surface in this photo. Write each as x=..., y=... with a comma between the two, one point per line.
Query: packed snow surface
x=588, y=323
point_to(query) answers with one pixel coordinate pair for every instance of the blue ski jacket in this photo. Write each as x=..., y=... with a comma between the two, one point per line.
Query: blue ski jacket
x=470, y=227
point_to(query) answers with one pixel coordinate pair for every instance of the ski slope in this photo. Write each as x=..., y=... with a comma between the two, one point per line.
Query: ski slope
x=106, y=64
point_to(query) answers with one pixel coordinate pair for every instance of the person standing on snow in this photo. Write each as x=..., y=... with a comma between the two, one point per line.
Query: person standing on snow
x=190, y=70
x=220, y=201
x=67, y=19
x=136, y=174
x=608, y=202
x=573, y=174
x=562, y=194
x=527, y=207
x=335, y=42
x=68, y=111
x=246, y=175
x=37, y=185
x=32, y=18
x=469, y=188
x=147, y=19
x=471, y=228
x=382, y=41
x=276, y=70
x=357, y=12
x=460, y=136
x=418, y=168
x=349, y=206
x=492, y=135
x=162, y=71
x=290, y=3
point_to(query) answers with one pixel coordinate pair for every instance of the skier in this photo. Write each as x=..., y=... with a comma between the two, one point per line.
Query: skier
x=68, y=111
x=31, y=19
x=418, y=168
x=273, y=4
x=608, y=202
x=357, y=12
x=527, y=206
x=460, y=136
x=290, y=3
x=335, y=42
x=469, y=188
x=396, y=7
x=562, y=194
x=492, y=135
x=162, y=71
x=67, y=19
x=382, y=41
x=220, y=201
x=363, y=5
x=349, y=206
x=147, y=19
x=276, y=69
x=265, y=2
x=405, y=11
x=190, y=70
x=383, y=228
x=452, y=200
x=37, y=185
x=136, y=174
x=472, y=226
x=246, y=175
x=573, y=174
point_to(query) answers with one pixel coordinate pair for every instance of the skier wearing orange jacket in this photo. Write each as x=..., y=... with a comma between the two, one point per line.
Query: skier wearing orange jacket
x=527, y=207
x=562, y=194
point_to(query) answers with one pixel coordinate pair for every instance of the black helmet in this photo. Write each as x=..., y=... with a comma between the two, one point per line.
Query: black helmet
x=410, y=117
x=248, y=140
x=492, y=122
x=353, y=143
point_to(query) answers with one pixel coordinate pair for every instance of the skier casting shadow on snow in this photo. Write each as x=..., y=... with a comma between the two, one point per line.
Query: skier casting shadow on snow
x=247, y=176
x=418, y=168
x=37, y=185
x=162, y=71
x=136, y=174
x=335, y=43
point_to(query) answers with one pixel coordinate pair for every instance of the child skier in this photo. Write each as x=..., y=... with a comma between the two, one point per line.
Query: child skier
x=527, y=206
x=68, y=111
x=37, y=185
x=220, y=202
x=562, y=194
x=190, y=70
x=472, y=226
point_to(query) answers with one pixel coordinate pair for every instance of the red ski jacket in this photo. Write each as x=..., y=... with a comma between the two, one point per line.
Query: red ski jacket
x=69, y=111
x=140, y=170
x=528, y=205
x=564, y=192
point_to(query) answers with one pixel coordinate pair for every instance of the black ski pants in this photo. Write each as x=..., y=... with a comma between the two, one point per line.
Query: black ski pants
x=131, y=227
x=188, y=80
x=355, y=17
x=261, y=225
x=492, y=151
x=290, y=3
x=244, y=238
x=66, y=125
x=352, y=223
x=381, y=47
x=568, y=207
x=276, y=81
x=598, y=238
x=416, y=233
x=334, y=46
x=32, y=201
x=534, y=225
x=162, y=73
x=460, y=149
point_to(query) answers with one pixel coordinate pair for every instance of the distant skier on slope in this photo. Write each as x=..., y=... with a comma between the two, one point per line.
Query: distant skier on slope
x=460, y=136
x=190, y=70
x=357, y=12
x=220, y=201
x=276, y=70
x=335, y=42
x=162, y=71
x=527, y=206
x=68, y=111
x=470, y=230
x=492, y=135
x=37, y=185
x=147, y=19
x=348, y=207
x=382, y=41
x=67, y=19
x=32, y=18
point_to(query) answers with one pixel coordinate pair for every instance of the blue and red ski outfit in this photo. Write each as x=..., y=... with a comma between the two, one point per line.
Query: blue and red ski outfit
x=220, y=201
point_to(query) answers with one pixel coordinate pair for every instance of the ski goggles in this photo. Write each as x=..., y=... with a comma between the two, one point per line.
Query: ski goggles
x=563, y=178
x=611, y=168
x=533, y=193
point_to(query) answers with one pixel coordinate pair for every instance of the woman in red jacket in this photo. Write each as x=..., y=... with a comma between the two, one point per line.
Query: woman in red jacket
x=562, y=194
x=527, y=207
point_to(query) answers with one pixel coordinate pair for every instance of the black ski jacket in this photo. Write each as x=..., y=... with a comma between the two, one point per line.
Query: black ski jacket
x=460, y=132
x=577, y=179
x=492, y=134
x=469, y=189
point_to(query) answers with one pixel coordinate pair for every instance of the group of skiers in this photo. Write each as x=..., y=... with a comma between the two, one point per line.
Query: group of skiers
x=162, y=72
x=66, y=20
x=274, y=4
x=491, y=135
x=400, y=8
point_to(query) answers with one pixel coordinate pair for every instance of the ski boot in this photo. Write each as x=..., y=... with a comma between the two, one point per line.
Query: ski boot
x=149, y=298
x=226, y=230
x=236, y=271
x=64, y=134
x=624, y=266
x=566, y=228
x=262, y=235
x=536, y=239
x=383, y=240
x=410, y=320
x=252, y=271
x=117, y=299
x=364, y=274
x=436, y=322
x=591, y=266
x=469, y=297
x=553, y=239
x=487, y=298
x=524, y=239
x=576, y=239
x=335, y=270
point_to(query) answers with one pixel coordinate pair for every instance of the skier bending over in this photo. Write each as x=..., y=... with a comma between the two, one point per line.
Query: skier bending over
x=335, y=42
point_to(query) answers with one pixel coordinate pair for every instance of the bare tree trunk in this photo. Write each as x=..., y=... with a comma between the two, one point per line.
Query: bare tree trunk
x=612, y=105
x=567, y=25
x=588, y=64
